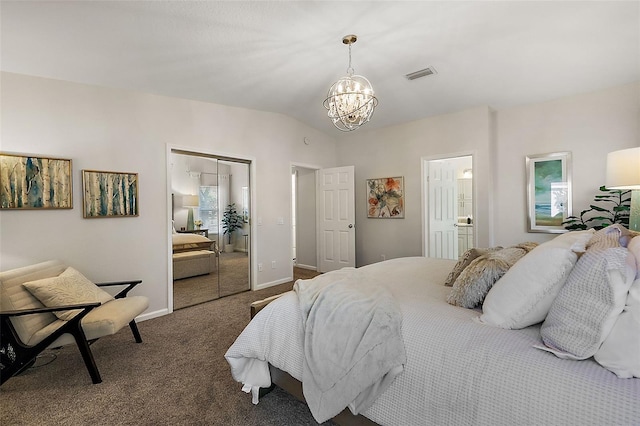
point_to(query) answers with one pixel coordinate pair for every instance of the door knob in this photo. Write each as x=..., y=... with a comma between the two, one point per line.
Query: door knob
x=351, y=225
x=455, y=224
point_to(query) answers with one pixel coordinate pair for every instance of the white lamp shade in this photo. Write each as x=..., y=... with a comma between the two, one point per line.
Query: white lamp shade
x=623, y=169
x=190, y=201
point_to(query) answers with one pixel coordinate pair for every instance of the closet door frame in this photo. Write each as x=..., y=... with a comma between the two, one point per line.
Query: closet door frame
x=187, y=150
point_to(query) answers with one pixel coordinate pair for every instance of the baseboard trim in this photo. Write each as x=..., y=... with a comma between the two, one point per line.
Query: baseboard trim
x=272, y=283
x=309, y=267
x=152, y=315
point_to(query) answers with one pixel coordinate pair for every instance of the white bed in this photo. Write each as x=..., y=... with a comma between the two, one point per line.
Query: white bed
x=458, y=371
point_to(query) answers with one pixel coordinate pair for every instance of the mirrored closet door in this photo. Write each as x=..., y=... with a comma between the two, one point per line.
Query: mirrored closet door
x=210, y=213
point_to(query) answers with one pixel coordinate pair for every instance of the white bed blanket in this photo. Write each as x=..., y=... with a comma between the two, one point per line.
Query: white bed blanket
x=458, y=372
x=353, y=347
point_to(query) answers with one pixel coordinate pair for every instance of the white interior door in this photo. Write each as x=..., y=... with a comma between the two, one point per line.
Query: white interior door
x=443, y=220
x=336, y=218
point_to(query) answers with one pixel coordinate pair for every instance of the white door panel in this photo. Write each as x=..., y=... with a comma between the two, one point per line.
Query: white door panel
x=443, y=230
x=337, y=218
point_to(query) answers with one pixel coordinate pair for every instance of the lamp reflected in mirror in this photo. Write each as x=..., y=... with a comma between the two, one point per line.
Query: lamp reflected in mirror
x=190, y=202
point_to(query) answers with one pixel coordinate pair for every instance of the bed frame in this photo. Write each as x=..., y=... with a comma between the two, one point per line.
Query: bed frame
x=292, y=386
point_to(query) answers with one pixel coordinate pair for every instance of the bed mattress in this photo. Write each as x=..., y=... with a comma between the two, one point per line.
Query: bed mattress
x=458, y=371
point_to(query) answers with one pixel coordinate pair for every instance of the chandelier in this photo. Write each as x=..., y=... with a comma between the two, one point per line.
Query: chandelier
x=350, y=101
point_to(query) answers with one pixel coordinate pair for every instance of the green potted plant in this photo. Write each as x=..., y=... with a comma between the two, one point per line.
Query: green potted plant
x=231, y=221
x=617, y=205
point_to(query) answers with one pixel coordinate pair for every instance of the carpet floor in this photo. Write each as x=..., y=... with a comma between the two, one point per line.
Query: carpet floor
x=177, y=376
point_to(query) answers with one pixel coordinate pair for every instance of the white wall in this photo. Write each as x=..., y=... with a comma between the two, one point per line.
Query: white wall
x=589, y=125
x=117, y=130
x=397, y=151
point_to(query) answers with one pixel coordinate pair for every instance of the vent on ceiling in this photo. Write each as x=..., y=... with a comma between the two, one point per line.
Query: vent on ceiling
x=422, y=73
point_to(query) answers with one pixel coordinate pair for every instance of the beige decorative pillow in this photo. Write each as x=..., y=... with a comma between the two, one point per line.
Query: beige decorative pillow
x=465, y=260
x=68, y=288
x=608, y=237
x=475, y=281
x=527, y=246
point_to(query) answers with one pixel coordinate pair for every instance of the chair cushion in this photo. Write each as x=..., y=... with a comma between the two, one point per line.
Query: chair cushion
x=104, y=320
x=68, y=288
x=13, y=296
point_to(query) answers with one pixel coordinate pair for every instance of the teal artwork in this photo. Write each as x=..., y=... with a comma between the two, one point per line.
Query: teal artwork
x=549, y=191
x=109, y=194
x=35, y=183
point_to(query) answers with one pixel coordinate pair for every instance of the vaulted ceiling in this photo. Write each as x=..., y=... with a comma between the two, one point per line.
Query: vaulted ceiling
x=282, y=56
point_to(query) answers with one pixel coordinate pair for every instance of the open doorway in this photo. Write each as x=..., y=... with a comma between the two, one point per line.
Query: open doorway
x=448, y=210
x=303, y=220
x=210, y=227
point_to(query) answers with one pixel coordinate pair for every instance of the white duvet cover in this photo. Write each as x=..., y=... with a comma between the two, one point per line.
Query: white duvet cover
x=458, y=372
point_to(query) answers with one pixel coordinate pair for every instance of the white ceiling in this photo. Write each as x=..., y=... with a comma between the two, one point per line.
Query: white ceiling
x=283, y=56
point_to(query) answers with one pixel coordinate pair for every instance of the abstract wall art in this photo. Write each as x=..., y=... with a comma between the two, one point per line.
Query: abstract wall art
x=109, y=194
x=33, y=182
x=385, y=198
x=548, y=191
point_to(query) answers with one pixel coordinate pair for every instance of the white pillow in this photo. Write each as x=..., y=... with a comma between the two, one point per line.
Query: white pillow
x=68, y=288
x=620, y=351
x=590, y=302
x=634, y=247
x=524, y=295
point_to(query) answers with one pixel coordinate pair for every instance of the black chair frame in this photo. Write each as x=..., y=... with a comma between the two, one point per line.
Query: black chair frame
x=16, y=356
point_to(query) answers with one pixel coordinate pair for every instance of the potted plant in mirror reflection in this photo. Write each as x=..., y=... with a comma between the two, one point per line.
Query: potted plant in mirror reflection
x=231, y=221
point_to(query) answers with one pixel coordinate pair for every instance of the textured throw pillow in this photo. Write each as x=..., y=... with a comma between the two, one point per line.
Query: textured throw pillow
x=523, y=296
x=471, y=287
x=620, y=351
x=608, y=237
x=590, y=302
x=68, y=288
x=465, y=260
x=634, y=248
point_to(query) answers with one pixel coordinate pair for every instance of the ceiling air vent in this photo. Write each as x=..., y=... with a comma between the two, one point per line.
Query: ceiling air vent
x=422, y=73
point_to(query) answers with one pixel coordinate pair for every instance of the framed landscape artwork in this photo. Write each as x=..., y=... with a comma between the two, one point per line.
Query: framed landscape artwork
x=35, y=183
x=385, y=198
x=548, y=191
x=109, y=194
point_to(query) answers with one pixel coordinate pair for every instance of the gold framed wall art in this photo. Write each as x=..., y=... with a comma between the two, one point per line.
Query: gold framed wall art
x=35, y=183
x=109, y=194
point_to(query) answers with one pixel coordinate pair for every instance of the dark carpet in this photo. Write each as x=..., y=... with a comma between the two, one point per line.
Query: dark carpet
x=177, y=376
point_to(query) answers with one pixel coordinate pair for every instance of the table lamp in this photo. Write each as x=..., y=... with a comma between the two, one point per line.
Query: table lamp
x=623, y=172
x=190, y=201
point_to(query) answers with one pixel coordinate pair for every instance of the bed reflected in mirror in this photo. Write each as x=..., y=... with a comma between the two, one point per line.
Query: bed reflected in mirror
x=209, y=260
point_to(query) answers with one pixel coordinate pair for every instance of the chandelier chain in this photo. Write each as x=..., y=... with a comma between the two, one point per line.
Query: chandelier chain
x=350, y=70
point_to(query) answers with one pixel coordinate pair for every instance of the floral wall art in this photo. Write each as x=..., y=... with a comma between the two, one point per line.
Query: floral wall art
x=385, y=198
